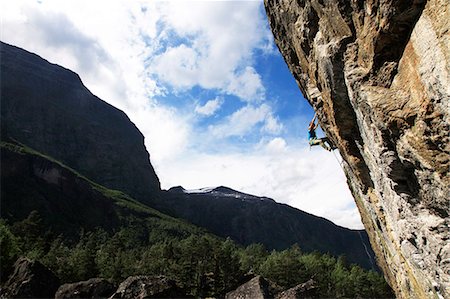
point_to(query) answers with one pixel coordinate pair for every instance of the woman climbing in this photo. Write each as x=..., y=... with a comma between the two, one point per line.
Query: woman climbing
x=313, y=140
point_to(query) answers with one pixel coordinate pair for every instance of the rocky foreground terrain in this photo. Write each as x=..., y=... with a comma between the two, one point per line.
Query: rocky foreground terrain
x=31, y=279
x=378, y=75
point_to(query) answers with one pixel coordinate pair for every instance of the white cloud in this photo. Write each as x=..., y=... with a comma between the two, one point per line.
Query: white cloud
x=56, y=31
x=244, y=120
x=272, y=125
x=217, y=52
x=276, y=145
x=247, y=85
x=169, y=132
x=210, y=107
x=177, y=66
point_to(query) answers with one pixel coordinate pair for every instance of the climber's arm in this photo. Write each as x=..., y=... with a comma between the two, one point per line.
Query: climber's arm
x=312, y=124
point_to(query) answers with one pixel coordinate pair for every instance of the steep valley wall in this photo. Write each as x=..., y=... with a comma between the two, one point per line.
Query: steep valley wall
x=378, y=75
x=47, y=107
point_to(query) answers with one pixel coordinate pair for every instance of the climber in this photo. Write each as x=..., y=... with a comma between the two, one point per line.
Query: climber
x=313, y=140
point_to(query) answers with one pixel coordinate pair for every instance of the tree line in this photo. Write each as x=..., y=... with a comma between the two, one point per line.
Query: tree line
x=202, y=264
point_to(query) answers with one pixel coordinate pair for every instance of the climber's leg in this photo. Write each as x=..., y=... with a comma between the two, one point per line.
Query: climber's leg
x=322, y=142
x=314, y=141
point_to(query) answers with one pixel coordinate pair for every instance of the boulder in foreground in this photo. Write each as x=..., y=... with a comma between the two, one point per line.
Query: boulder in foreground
x=256, y=288
x=92, y=288
x=139, y=287
x=304, y=290
x=30, y=279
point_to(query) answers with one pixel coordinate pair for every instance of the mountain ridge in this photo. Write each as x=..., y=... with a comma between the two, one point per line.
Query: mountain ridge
x=227, y=191
x=220, y=190
x=251, y=219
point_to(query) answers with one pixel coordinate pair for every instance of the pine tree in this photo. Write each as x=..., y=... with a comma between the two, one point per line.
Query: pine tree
x=9, y=250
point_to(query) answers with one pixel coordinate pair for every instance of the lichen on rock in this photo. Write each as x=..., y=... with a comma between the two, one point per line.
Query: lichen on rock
x=378, y=75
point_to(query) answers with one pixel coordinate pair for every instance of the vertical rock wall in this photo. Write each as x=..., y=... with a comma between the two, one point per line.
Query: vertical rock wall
x=378, y=75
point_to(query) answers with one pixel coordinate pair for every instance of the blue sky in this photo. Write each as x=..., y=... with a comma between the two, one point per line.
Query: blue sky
x=205, y=84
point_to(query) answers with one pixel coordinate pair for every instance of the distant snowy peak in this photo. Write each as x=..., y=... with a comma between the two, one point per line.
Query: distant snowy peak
x=201, y=190
x=180, y=189
x=220, y=191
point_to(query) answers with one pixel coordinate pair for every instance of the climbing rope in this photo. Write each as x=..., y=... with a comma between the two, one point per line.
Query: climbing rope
x=337, y=159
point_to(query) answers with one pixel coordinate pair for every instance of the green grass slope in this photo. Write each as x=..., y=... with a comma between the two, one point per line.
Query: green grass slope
x=68, y=202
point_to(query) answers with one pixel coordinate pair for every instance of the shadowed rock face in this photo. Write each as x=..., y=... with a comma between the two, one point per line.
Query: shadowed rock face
x=30, y=279
x=149, y=287
x=48, y=108
x=303, y=291
x=65, y=201
x=377, y=73
x=256, y=288
x=92, y=288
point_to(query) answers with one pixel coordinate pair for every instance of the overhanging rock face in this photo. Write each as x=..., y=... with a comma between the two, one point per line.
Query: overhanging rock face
x=378, y=75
